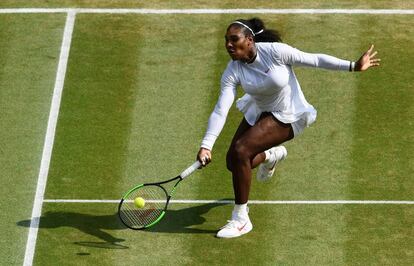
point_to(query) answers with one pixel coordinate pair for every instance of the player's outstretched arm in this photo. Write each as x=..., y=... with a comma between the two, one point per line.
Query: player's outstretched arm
x=367, y=60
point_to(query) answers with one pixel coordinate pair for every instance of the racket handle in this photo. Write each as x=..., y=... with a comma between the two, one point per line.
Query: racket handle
x=190, y=169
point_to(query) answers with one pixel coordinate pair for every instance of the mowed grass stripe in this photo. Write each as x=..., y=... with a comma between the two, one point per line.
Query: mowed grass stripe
x=382, y=157
x=318, y=162
x=29, y=46
x=91, y=141
x=179, y=80
x=95, y=120
x=383, y=160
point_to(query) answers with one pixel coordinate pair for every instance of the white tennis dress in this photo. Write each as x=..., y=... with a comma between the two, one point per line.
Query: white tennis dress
x=270, y=86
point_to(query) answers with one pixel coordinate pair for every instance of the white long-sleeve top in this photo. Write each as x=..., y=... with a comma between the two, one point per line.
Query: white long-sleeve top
x=270, y=86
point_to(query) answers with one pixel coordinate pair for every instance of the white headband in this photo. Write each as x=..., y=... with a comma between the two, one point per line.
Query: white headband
x=247, y=27
x=260, y=31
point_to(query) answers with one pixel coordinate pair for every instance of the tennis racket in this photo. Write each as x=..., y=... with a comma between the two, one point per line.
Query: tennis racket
x=154, y=199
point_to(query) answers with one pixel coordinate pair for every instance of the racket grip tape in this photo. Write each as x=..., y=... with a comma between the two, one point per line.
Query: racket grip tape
x=190, y=169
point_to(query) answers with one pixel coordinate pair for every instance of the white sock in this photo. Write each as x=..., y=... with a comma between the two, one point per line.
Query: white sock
x=240, y=211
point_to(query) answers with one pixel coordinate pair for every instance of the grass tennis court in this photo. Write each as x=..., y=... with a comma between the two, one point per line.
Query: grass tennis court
x=138, y=91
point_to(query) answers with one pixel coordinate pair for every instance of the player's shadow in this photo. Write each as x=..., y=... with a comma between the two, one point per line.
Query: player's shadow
x=185, y=220
x=181, y=220
x=94, y=225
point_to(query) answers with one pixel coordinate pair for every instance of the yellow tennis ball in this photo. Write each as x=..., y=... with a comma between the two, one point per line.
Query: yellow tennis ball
x=139, y=202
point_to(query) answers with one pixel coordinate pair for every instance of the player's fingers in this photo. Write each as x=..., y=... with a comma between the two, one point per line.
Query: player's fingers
x=373, y=54
x=204, y=156
x=370, y=49
x=374, y=62
x=204, y=160
x=207, y=159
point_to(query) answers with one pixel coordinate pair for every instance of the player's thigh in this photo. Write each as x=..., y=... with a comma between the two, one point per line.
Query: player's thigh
x=266, y=133
x=243, y=127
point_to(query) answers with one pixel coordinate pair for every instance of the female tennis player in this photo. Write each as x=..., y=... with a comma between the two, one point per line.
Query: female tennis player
x=274, y=107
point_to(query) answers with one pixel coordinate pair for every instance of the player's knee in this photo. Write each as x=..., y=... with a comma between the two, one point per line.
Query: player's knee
x=241, y=152
x=237, y=153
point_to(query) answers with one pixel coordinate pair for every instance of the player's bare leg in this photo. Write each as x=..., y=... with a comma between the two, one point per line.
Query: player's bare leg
x=246, y=152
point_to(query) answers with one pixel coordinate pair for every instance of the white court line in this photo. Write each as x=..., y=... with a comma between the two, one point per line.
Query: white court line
x=49, y=139
x=208, y=11
x=279, y=202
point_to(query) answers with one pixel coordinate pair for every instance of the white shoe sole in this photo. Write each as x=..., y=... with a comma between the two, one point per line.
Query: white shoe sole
x=236, y=232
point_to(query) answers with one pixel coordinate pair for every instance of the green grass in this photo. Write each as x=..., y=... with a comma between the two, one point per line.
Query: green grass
x=29, y=51
x=394, y=4
x=138, y=93
x=92, y=135
x=385, y=116
x=290, y=235
x=382, y=158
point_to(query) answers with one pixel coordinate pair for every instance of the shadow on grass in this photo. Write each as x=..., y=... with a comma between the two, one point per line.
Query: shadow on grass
x=183, y=220
x=175, y=221
x=89, y=224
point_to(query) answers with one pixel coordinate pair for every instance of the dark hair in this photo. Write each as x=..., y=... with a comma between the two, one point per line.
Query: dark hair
x=257, y=30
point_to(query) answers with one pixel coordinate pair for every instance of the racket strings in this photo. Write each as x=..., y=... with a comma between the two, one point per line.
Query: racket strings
x=135, y=217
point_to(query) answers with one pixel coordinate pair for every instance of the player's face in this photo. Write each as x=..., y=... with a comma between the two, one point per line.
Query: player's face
x=238, y=45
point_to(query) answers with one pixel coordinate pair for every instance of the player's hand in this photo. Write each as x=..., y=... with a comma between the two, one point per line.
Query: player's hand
x=204, y=156
x=367, y=60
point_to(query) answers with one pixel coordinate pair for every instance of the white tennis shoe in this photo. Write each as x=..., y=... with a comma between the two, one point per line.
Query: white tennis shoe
x=235, y=228
x=267, y=168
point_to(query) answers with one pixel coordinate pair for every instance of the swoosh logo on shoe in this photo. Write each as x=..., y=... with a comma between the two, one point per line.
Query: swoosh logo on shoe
x=267, y=70
x=241, y=228
x=273, y=167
